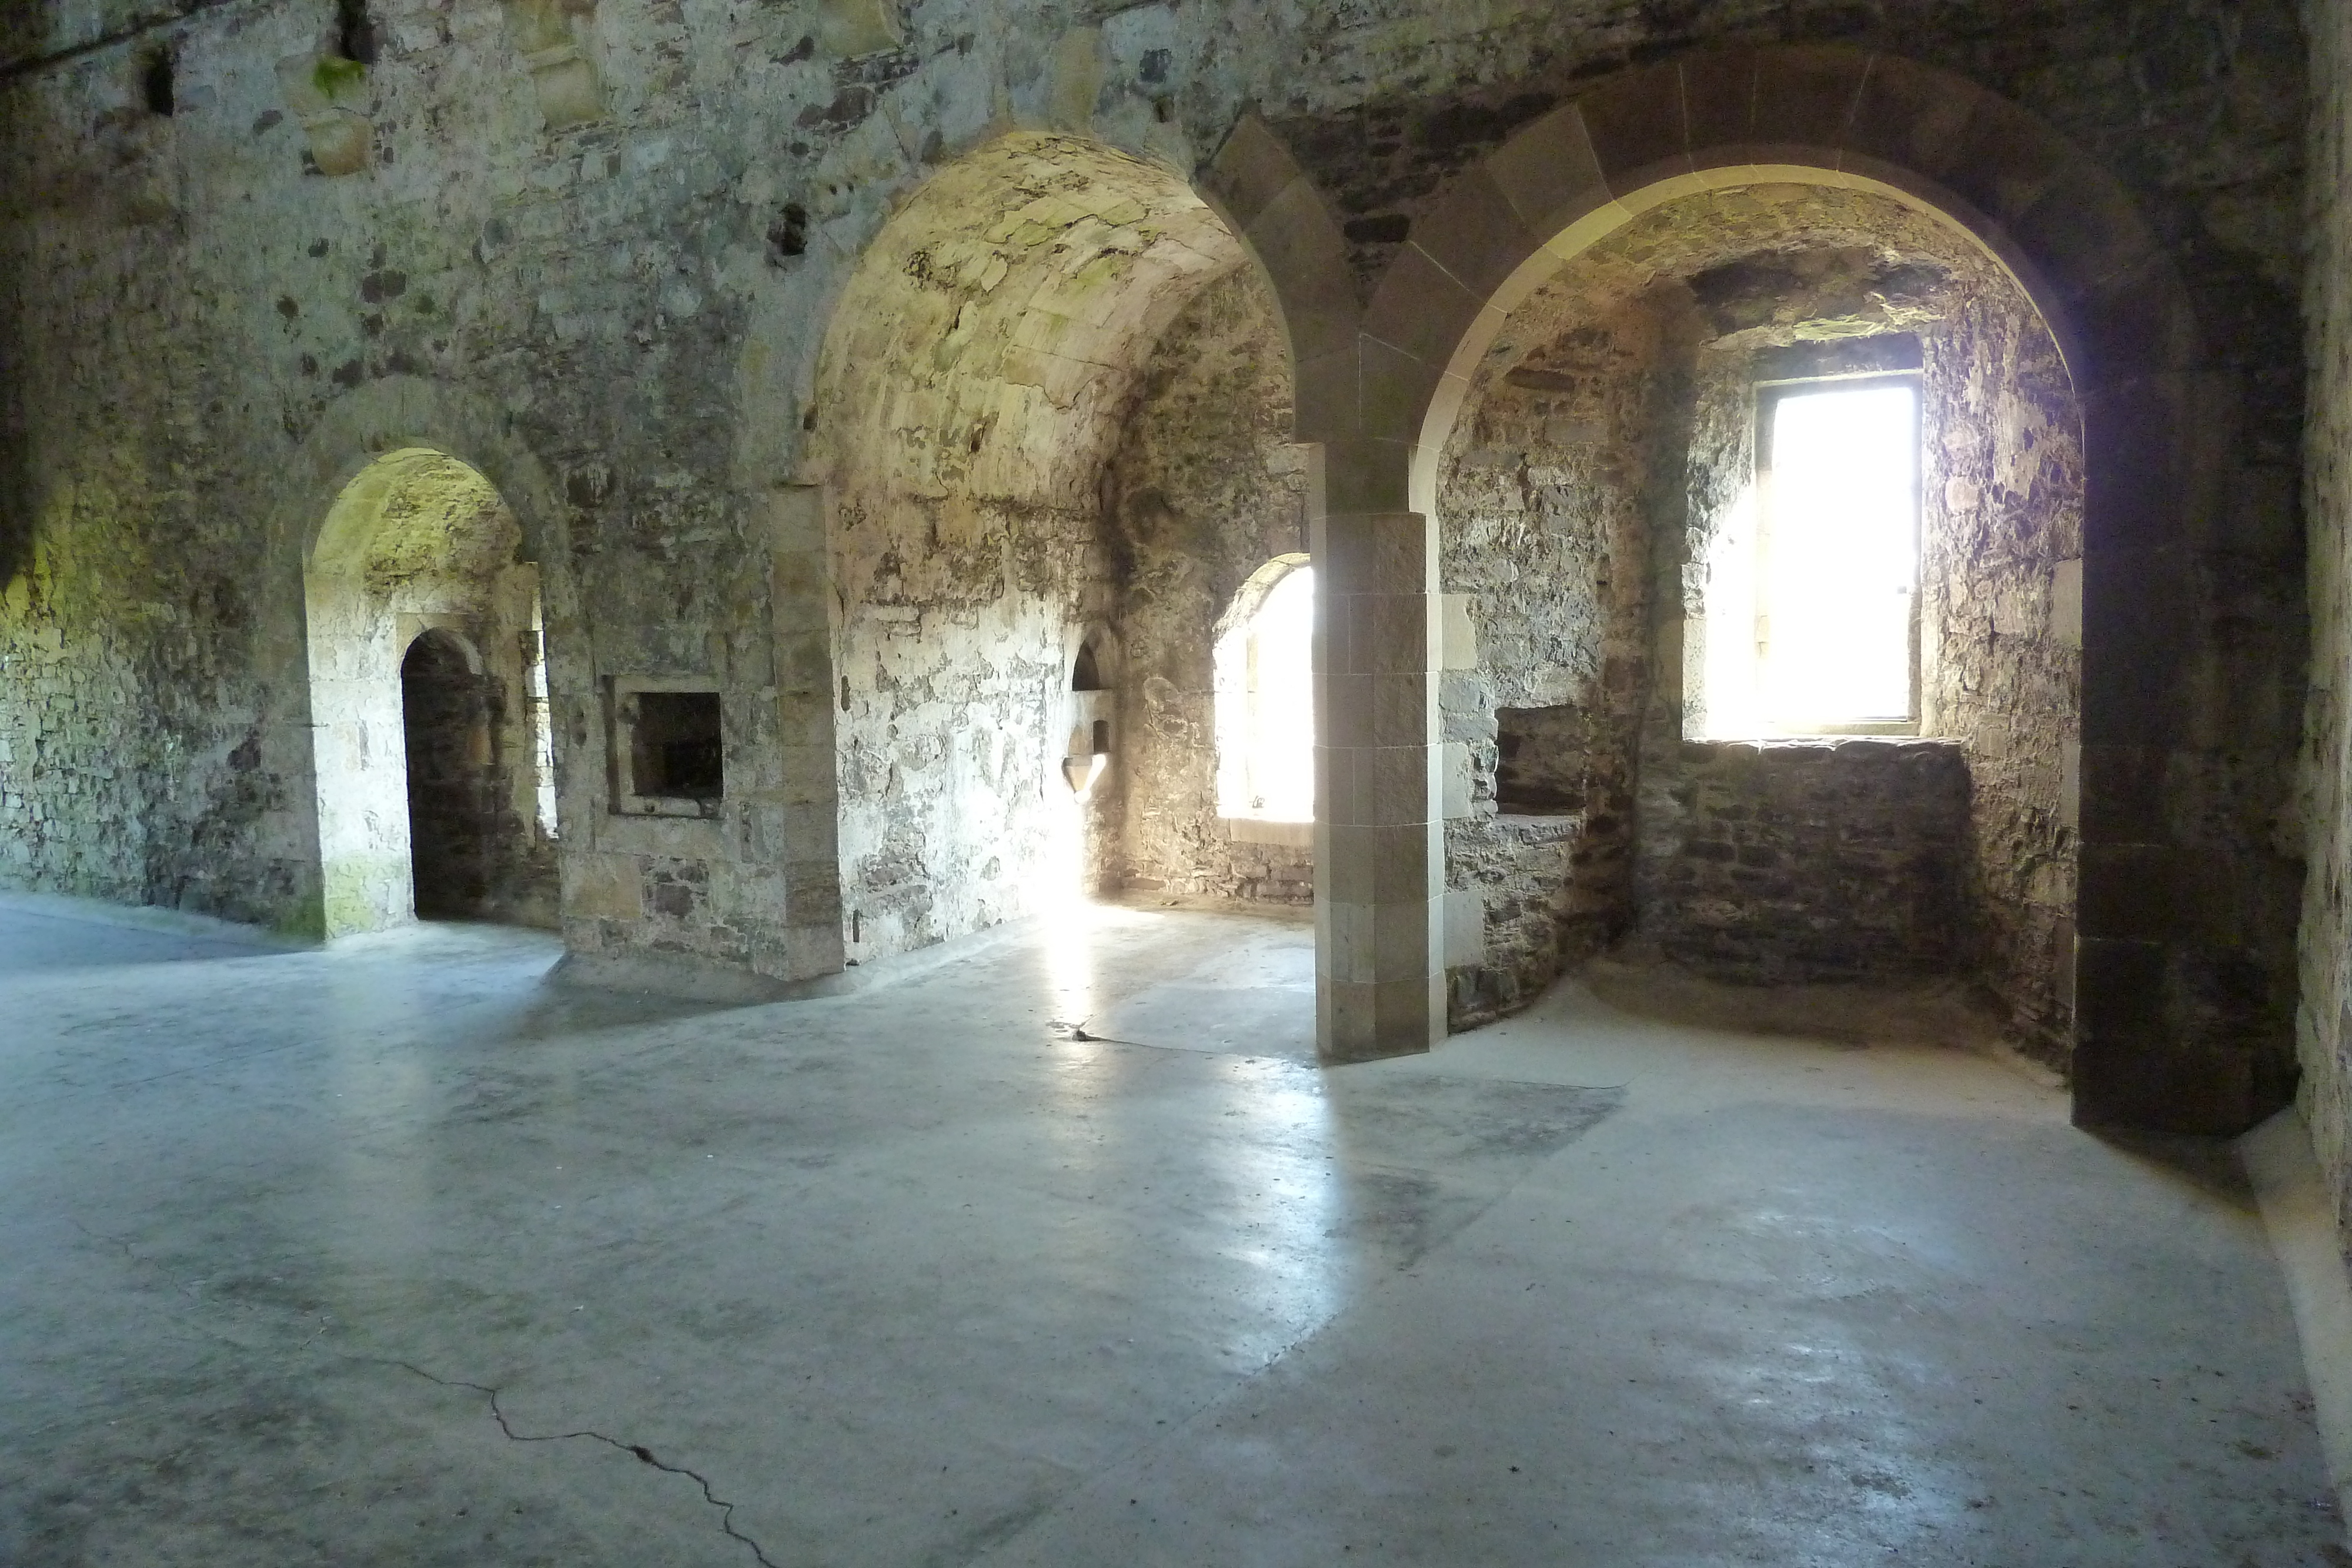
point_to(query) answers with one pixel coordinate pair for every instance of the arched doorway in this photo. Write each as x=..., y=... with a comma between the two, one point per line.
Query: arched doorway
x=428, y=702
x=453, y=818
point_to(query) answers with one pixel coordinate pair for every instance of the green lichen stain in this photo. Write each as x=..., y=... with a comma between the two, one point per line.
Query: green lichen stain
x=304, y=922
x=333, y=77
x=360, y=892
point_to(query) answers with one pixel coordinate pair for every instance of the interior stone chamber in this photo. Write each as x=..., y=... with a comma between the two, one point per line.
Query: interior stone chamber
x=841, y=452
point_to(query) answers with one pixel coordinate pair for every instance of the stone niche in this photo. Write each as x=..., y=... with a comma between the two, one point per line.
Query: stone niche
x=1543, y=759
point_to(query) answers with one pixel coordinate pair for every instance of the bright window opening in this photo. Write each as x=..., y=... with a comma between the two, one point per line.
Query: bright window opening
x=1266, y=698
x=542, y=720
x=1824, y=568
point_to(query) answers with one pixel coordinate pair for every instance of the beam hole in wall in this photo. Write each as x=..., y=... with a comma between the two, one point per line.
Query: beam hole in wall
x=355, y=37
x=158, y=86
x=788, y=235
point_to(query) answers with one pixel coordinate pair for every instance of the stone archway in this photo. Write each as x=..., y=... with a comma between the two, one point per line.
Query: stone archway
x=1375, y=385
x=421, y=552
x=978, y=375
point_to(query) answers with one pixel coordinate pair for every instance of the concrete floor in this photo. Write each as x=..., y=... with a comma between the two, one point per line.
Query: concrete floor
x=391, y=1254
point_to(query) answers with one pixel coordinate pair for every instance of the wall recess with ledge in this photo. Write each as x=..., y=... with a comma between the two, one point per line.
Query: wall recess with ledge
x=1093, y=705
x=669, y=754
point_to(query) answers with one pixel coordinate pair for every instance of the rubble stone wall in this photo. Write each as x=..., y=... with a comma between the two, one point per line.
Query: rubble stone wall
x=1802, y=862
x=1207, y=488
x=1545, y=528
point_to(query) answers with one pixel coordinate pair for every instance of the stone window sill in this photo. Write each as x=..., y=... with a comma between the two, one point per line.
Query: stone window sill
x=1256, y=831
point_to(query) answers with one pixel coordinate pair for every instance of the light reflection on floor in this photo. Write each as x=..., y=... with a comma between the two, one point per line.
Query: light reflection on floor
x=911, y=1275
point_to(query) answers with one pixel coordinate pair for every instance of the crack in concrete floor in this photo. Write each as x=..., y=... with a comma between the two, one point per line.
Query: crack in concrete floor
x=636, y=1451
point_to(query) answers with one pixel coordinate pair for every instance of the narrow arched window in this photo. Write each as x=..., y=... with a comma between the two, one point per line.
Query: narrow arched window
x=1265, y=696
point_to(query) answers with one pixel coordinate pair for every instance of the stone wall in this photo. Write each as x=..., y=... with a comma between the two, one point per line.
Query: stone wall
x=2324, y=1022
x=1206, y=488
x=2002, y=620
x=605, y=274
x=1802, y=862
x=1542, y=509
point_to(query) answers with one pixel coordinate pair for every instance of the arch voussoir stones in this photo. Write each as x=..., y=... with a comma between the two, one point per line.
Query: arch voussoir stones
x=1267, y=200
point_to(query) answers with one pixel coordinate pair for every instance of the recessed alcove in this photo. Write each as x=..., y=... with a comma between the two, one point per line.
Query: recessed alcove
x=1540, y=755
x=1660, y=661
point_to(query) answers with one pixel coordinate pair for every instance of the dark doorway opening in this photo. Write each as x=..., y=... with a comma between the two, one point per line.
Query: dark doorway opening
x=452, y=798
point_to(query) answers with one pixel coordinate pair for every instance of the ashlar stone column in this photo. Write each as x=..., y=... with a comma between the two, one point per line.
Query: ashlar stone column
x=1379, y=849
x=1380, y=883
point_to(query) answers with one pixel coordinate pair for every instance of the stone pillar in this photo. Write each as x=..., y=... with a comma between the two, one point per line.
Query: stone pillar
x=1379, y=865
x=1380, y=861
x=809, y=800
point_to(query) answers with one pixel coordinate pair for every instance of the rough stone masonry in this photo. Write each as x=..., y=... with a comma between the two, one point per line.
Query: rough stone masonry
x=849, y=366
